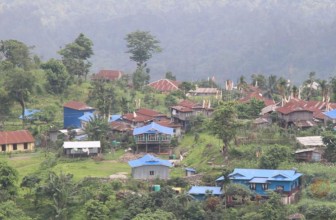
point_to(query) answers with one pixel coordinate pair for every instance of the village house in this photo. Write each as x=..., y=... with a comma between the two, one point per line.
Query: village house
x=152, y=137
x=206, y=92
x=72, y=110
x=312, y=148
x=200, y=192
x=81, y=148
x=143, y=116
x=14, y=141
x=108, y=75
x=286, y=182
x=149, y=167
x=165, y=85
x=184, y=110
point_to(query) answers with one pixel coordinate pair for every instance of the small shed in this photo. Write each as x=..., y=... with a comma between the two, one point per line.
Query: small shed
x=190, y=171
x=200, y=192
x=308, y=155
x=81, y=148
x=72, y=111
x=310, y=141
x=150, y=167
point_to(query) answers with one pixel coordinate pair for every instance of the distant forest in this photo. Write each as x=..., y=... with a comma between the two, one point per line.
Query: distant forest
x=200, y=39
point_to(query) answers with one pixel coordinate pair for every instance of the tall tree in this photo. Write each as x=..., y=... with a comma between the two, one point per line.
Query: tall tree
x=16, y=53
x=142, y=45
x=75, y=56
x=57, y=76
x=104, y=97
x=140, y=78
x=271, y=86
x=259, y=80
x=19, y=85
x=224, y=124
x=169, y=75
x=8, y=178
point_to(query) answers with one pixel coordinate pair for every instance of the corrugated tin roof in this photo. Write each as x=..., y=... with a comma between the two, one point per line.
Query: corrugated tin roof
x=29, y=113
x=205, y=91
x=331, y=114
x=88, y=116
x=77, y=105
x=108, y=75
x=16, y=137
x=165, y=85
x=258, y=180
x=153, y=128
x=248, y=174
x=149, y=160
x=310, y=141
x=202, y=190
x=114, y=118
x=149, y=112
x=306, y=150
x=81, y=144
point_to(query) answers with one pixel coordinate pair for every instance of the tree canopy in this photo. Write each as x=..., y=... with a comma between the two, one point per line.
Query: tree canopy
x=142, y=45
x=75, y=56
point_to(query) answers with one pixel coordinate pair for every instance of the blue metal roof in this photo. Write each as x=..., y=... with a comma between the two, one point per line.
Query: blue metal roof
x=190, y=169
x=331, y=114
x=153, y=128
x=258, y=180
x=202, y=190
x=114, y=118
x=278, y=175
x=88, y=116
x=29, y=113
x=149, y=160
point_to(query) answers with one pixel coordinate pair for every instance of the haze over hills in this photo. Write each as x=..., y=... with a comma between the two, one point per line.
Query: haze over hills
x=200, y=38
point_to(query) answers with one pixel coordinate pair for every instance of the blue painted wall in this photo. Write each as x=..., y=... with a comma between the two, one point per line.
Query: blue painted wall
x=70, y=117
x=272, y=185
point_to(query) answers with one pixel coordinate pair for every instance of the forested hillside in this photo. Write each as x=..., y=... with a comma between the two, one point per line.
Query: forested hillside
x=223, y=38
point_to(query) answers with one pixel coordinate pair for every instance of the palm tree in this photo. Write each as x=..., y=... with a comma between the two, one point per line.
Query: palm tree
x=271, y=86
x=324, y=90
x=310, y=82
x=97, y=129
x=242, y=84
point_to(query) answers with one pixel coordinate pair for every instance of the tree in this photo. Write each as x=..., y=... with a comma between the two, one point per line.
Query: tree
x=75, y=56
x=96, y=210
x=271, y=86
x=259, y=80
x=309, y=83
x=19, y=85
x=16, y=53
x=61, y=190
x=140, y=78
x=97, y=130
x=273, y=157
x=224, y=124
x=329, y=140
x=142, y=45
x=156, y=215
x=104, y=96
x=9, y=210
x=57, y=76
x=170, y=76
x=187, y=86
x=8, y=178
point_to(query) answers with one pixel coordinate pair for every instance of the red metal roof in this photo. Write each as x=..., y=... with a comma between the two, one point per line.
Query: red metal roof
x=165, y=85
x=256, y=95
x=120, y=126
x=136, y=118
x=108, y=75
x=149, y=112
x=16, y=137
x=77, y=105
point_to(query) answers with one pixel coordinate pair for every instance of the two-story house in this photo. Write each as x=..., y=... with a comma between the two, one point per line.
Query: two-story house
x=286, y=182
x=183, y=111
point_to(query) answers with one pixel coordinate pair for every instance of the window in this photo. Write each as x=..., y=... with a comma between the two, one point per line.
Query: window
x=253, y=186
x=151, y=173
x=25, y=146
x=3, y=147
x=279, y=188
x=264, y=186
x=14, y=146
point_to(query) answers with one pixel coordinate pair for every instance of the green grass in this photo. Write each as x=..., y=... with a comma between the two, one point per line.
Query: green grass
x=89, y=168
